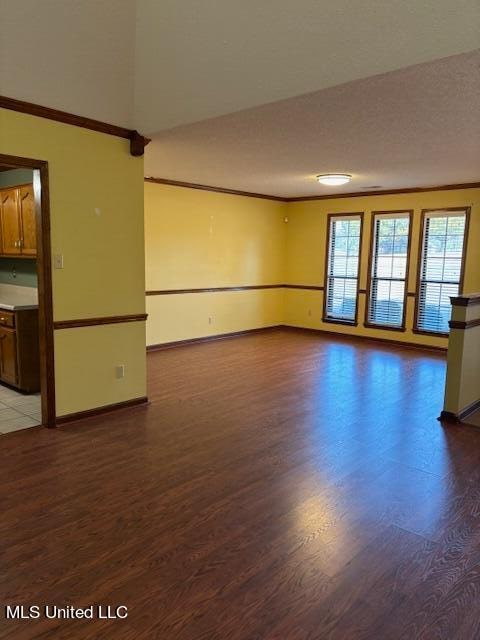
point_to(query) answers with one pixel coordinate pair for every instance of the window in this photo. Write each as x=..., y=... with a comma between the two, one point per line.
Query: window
x=341, y=286
x=441, y=267
x=388, y=269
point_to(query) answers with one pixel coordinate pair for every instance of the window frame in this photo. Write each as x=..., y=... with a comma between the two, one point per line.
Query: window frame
x=421, y=241
x=325, y=317
x=368, y=323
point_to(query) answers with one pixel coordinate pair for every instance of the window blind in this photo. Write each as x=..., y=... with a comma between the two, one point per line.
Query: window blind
x=342, y=268
x=440, y=268
x=388, y=274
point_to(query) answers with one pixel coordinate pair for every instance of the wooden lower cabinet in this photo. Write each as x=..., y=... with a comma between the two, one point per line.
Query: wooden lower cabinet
x=19, y=349
x=8, y=356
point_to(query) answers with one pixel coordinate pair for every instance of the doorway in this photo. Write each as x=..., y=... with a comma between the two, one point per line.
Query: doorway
x=39, y=230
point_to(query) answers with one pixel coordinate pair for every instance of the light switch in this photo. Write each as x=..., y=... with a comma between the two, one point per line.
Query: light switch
x=58, y=261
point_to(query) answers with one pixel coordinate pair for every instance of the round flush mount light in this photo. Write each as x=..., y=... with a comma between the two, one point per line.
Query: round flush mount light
x=334, y=179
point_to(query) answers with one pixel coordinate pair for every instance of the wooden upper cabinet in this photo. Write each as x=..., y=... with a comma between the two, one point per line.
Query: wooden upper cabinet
x=18, y=222
x=10, y=222
x=28, y=221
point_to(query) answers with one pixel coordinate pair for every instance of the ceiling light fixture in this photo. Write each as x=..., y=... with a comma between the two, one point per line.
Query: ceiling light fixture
x=334, y=179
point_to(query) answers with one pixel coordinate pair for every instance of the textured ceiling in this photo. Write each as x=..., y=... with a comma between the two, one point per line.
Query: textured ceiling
x=419, y=126
x=155, y=64
x=197, y=60
x=77, y=56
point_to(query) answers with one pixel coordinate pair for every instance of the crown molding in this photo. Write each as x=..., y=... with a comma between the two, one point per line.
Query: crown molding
x=387, y=192
x=205, y=187
x=137, y=141
x=354, y=194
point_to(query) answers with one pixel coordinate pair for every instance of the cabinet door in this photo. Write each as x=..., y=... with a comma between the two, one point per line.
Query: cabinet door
x=28, y=221
x=10, y=222
x=8, y=356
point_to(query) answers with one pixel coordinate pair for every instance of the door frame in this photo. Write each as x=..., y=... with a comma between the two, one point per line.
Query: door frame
x=44, y=269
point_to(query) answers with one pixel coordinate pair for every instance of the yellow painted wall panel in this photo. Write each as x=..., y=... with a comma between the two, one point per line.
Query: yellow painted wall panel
x=203, y=239
x=85, y=360
x=470, y=385
x=462, y=389
x=96, y=205
x=185, y=316
x=306, y=245
x=304, y=309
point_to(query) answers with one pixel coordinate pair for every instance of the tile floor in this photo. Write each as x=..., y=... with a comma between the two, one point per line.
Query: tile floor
x=18, y=411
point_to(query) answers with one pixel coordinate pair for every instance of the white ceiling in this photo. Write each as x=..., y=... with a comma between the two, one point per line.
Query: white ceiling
x=72, y=55
x=200, y=59
x=419, y=126
x=188, y=60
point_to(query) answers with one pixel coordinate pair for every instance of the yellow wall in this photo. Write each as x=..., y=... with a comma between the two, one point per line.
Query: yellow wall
x=103, y=271
x=462, y=388
x=201, y=239
x=305, y=259
x=197, y=239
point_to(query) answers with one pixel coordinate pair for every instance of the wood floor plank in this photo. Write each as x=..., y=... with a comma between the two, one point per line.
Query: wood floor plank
x=280, y=486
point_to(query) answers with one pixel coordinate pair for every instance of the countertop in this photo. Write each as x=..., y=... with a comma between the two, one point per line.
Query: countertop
x=15, y=298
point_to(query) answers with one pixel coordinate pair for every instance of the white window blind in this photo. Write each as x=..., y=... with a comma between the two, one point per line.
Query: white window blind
x=342, y=268
x=389, y=263
x=440, y=268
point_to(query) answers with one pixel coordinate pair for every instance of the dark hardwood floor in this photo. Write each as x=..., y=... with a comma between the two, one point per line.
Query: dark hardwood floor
x=280, y=486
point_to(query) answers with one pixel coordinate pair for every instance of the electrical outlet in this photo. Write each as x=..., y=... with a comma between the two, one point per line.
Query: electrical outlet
x=58, y=261
x=120, y=371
